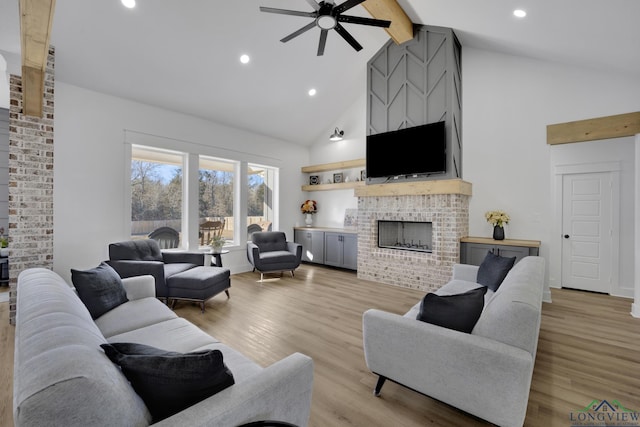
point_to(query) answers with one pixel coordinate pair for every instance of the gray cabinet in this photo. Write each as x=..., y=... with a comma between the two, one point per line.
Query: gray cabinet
x=341, y=250
x=312, y=242
x=474, y=250
x=329, y=247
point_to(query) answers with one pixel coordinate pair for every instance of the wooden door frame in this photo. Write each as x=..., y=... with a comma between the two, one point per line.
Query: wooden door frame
x=555, y=247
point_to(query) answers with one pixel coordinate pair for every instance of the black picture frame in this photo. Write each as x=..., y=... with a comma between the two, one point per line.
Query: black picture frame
x=337, y=178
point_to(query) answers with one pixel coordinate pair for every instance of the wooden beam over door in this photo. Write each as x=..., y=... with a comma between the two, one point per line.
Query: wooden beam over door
x=617, y=126
x=36, y=19
x=401, y=29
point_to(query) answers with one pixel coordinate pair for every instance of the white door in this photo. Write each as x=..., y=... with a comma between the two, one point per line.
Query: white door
x=587, y=231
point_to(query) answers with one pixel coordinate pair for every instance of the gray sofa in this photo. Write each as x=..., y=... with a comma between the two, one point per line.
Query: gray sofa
x=62, y=376
x=486, y=373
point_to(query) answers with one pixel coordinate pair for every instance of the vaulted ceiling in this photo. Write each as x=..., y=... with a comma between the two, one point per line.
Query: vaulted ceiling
x=184, y=56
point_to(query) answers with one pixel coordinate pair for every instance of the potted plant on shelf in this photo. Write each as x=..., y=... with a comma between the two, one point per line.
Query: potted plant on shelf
x=498, y=219
x=216, y=243
x=308, y=208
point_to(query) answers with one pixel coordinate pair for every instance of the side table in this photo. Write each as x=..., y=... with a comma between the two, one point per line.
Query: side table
x=218, y=257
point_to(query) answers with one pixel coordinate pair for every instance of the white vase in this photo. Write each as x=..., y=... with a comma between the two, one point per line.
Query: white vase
x=308, y=220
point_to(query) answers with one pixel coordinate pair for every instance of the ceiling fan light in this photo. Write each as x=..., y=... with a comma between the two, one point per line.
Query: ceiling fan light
x=326, y=22
x=128, y=3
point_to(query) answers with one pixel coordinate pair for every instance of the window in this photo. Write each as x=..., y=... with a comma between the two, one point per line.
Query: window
x=216, y=179
x=261, y=182
x=156, y=193
x=166, y=207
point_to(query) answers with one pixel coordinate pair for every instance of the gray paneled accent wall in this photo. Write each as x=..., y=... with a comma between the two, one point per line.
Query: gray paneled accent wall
x=416, y=83
x=4, y=169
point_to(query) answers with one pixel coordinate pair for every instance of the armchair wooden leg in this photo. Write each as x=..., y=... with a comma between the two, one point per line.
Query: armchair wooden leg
x=380, y=383
x=261, y=276
x=227, y=292
x=292, y=273
x=202, y=307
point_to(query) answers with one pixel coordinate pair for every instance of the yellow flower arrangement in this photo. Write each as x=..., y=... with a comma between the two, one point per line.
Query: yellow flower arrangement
x=498, y=218
x=309, y=207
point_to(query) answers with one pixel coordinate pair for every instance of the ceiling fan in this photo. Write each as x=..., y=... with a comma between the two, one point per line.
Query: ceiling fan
x=328, y=16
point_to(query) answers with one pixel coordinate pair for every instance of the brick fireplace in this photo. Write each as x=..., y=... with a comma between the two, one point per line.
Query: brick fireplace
x=444, y=204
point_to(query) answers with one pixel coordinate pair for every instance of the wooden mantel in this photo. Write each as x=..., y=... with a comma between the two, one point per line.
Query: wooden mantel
x=415, y=188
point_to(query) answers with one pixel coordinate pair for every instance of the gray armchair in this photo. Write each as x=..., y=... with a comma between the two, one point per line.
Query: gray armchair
x=269, y=252
x=140, y=257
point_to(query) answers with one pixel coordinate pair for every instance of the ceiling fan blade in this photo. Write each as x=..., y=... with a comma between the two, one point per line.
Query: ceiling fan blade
x=363, y=21
x=314, y=4
x=323, y=42
x=348, y=37
x=300, y=31
x=346, y=6
x=287, y=12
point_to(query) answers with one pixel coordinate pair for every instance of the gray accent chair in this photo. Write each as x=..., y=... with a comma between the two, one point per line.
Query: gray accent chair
x=269, y=251
x=139, y=257
x=178, y=275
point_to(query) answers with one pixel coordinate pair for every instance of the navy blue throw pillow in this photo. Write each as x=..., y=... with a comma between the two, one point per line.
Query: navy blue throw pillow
x=168, y=381
x=493, y=270
x=459, y=312
x=100, y=289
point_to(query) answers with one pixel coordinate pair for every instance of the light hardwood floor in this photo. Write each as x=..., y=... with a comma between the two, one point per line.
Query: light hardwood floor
x=589, y=348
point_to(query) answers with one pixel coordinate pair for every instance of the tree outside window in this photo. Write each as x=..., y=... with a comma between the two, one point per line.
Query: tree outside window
x=156, y=191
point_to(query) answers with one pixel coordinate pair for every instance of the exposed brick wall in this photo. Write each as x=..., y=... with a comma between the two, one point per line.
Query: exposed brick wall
x=30, y=183
x=449, y=214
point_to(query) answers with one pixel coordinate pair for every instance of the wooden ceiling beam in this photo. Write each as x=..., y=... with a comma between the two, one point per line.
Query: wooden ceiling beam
x=36, y=20
x=401, y=29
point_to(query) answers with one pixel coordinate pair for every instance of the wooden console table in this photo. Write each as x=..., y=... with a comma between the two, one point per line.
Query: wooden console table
x=474, y=249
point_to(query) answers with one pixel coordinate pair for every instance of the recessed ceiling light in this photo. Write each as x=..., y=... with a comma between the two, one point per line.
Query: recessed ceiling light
x=245, y=59
x=519, y=13
x=312, y=92
x=129, y=3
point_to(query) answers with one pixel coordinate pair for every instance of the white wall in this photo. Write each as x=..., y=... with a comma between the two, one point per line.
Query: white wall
x=332, y=204
x=9, y=64
x=90, y=162
x=507, y=103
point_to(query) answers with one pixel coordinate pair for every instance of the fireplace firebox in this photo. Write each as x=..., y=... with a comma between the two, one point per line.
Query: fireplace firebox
x=405, y=235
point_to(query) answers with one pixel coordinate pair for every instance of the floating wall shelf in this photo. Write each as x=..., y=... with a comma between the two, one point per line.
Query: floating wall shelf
x=337, y=167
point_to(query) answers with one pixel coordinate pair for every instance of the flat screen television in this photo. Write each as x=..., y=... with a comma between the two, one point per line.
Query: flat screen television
x=418, y=150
